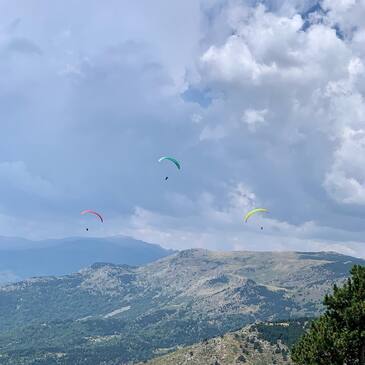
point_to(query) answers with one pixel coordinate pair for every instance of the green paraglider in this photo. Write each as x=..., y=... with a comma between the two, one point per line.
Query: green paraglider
x=254, y=211
x=173, y=160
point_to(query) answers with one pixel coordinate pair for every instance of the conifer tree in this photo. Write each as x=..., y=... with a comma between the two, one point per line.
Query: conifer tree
x=338, y=336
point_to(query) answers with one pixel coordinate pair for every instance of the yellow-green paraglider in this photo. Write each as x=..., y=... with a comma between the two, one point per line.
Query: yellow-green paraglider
x=254, y=211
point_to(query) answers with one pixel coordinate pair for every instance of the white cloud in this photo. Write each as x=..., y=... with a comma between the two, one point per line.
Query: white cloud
x=339, y=5
x=254, y=118
x=312, y=83
x=223, y=228
x=234, y=62
x=89, y=114
x=270, y=48
x=355, y=68
x=346, y=180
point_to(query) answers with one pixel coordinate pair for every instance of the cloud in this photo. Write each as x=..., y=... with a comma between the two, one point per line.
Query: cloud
x=234, y=61
x=16, y=176
x=262, y=103
x=212, y=133
x=223, y=228
x=267, y=47
x=254, y=118
x=345, y=182
x=311, y=82
x=26, y=198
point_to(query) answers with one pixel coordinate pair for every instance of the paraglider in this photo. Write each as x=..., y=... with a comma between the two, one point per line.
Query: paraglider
x=171, y=159
x=254, y=211
x=88, y=211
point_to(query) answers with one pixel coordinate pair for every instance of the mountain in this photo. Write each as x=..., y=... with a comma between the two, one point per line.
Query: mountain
x=261, y=344
x=20, y=258
x=114, y=314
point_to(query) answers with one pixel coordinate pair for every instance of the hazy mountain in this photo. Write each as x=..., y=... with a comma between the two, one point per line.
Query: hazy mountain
x=20, y=258
x=112, y=314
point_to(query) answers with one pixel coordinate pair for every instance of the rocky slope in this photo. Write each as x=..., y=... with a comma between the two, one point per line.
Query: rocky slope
x=262, y=344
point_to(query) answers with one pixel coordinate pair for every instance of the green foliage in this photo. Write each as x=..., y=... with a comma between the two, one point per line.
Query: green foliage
x=287, y=332
x=338, y=336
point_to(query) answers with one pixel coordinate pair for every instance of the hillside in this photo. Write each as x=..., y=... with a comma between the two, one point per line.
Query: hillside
x=21, y=259
x=262, y=344
x=119, y=313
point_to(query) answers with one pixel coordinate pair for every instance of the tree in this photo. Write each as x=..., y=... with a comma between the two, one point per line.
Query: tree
x=338, y=336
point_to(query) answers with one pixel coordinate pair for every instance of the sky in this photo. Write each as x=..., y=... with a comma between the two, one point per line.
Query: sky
x=261, y=101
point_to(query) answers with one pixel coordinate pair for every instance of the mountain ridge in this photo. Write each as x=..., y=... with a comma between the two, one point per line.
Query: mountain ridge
x=175, y=301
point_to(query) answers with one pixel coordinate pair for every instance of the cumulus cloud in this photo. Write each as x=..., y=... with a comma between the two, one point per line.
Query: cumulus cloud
x=223, y=228
x=261, y=101
x=310, y=79
x=346, y=179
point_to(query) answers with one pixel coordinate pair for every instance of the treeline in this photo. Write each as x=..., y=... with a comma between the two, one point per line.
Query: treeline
x=288, y=331
x=338, y=336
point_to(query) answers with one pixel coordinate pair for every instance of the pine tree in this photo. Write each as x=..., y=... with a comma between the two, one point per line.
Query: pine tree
x=338, y=336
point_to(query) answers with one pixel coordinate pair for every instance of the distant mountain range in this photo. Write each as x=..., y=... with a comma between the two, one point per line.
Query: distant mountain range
x=117, y=314
x=21, y=259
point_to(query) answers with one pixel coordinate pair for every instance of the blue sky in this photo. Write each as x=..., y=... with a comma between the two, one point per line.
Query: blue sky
x=263, y=103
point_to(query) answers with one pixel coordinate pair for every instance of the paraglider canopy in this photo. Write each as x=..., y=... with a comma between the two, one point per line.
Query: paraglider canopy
x=88, y=211
x=254, y=211
x=173, y=160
